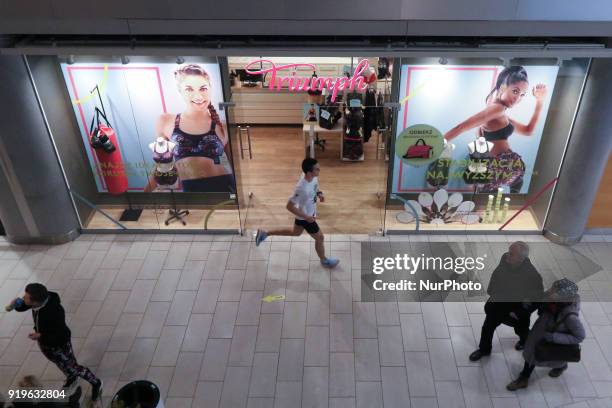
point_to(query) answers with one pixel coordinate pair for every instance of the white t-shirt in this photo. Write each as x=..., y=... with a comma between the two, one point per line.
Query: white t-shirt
x=305, y=196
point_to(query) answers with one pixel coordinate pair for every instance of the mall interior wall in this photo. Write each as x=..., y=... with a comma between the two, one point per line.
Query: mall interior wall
x=55, y=102
x=566, y=100
x=511, y=18
x=35, y=205
x=585, y=159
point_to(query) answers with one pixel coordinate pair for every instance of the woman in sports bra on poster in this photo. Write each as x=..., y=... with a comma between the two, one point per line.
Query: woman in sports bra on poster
x=198, y=135
x=507, y=168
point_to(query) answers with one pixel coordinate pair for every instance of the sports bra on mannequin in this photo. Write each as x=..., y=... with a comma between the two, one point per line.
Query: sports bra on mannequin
x=480, y=145
x=165, y=171
x=480, y=157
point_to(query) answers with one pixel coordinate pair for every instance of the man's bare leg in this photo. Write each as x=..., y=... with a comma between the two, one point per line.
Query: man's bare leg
x=296, y=231
x=286, y=232
x=319, y=244
x=320, y=248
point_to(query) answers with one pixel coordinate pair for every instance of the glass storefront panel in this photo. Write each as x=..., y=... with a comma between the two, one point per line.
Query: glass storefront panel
x=274, y=126
x=154, y=144
x=478, y=144
x=421, y=145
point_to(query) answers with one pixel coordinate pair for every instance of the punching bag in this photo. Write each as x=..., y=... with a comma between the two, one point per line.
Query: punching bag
x=111, y=165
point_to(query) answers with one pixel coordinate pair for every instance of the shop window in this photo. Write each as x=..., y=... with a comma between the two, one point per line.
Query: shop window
x=154, y=149
x=478, y=144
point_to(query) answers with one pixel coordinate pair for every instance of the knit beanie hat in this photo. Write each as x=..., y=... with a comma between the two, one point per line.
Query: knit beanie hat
x=562, y=290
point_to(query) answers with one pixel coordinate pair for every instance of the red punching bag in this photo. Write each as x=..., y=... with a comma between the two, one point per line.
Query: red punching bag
x=111, y=165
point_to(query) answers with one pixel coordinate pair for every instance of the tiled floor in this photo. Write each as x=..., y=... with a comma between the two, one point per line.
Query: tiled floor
x=186, y=312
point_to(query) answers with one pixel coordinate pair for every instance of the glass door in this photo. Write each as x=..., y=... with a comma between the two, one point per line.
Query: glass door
x=273, y=130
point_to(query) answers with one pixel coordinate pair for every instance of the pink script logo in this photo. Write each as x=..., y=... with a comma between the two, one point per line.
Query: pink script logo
x=295, y=83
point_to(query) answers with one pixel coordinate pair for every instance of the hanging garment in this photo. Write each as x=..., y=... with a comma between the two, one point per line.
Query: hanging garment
x=110, y=162
x=329, y=114
x=352, y=140
x=380, y=111
x=383, y=68
x=369, y=115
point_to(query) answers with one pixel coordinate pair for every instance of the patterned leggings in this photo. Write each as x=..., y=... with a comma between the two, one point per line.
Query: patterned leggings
x=63, y=357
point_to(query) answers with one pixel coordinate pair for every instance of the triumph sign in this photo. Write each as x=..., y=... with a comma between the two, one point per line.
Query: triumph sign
x=302, y=84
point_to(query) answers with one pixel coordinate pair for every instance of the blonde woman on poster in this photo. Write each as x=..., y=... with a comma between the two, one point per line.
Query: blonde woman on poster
x=198, y=135
x=507, y=168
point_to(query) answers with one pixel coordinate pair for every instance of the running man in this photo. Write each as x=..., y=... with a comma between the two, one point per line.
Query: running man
x=303, y=204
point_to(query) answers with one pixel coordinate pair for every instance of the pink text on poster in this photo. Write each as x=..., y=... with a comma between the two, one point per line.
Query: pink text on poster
x=295, y=83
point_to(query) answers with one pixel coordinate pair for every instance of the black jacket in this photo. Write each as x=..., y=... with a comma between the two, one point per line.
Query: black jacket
x=522, y=283
x=50, y=322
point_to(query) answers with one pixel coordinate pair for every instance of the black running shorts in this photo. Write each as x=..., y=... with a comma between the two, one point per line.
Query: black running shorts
x=310, y=227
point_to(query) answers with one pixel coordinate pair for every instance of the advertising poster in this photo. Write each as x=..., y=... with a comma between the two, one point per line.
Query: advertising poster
x=151, y=127
x=489, y=121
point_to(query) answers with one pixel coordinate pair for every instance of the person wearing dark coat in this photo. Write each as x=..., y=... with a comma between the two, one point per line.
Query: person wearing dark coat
x=53, y=336
x=514, y=290
x=558, y=323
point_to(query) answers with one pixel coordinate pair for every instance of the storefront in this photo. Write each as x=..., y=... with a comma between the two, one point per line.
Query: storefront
x=406, y=144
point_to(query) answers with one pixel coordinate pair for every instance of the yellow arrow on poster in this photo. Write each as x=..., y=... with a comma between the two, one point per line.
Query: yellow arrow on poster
x=100, y=88
x=273, y=298
x=414, y=93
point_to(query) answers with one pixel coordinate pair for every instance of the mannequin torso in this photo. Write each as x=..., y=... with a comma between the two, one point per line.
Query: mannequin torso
x=480, y=145
x=479, y=149
x=162, y=154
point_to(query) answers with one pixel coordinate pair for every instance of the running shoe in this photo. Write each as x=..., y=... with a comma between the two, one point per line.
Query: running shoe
x=260, y=237
x=330, y=262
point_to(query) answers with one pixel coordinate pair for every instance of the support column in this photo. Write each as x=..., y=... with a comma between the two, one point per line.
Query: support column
x=586, y=158
x=35, y=205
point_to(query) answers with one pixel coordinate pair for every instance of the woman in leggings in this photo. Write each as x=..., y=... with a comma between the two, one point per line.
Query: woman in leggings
x=507, y=168
x=198, y=134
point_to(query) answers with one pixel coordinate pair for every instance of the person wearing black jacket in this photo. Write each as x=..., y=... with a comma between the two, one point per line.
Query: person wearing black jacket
x=53, y=336
x=514, y=290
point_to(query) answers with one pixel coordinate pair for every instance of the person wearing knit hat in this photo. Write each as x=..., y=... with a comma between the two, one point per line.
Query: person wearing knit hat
x=562, y=290
x=559, y=323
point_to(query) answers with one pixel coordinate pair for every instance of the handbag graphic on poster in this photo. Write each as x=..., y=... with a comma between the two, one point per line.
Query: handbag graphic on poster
x=419, y=151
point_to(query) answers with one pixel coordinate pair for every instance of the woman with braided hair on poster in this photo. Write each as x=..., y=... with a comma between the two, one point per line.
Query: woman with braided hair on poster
x=507, y=167
x=199, y=137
